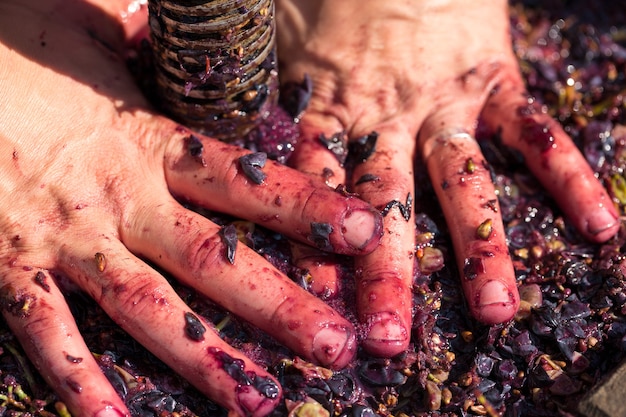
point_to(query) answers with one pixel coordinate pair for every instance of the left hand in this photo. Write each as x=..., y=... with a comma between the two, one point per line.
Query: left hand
x=88, y=175
x=421, y=74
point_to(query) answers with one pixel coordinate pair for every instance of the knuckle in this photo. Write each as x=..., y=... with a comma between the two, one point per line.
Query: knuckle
x=207, y=251
x=133, y=297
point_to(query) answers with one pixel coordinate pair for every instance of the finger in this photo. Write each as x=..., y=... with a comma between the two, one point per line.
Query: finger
x=202, y=256
x=284, y=200
x=144, y=304
x=322, y=149
x=319, y=268
x=385, y=276
x=321, y=153
x=553, y=158
x=38, y=315
x=462, y=181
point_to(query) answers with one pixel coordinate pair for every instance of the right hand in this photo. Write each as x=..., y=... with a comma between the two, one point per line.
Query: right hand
x=421, y=74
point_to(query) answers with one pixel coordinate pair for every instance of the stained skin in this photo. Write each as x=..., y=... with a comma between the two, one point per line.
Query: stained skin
x=98, y=176
x=122, y=121
x=401, y=74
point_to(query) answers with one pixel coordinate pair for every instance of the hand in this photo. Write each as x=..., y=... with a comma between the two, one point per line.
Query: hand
x=88, y=173
x=421, y=74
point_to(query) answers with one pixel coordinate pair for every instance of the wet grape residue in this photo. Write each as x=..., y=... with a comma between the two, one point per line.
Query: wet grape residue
x=538, y=135
x=194, y=329
x=252, y=165
x=74, y=385
x=320, y=235
x=40, y=279
x=195, y=148
x=472, y=268
x=360, y=149
x=16, y=302
x=573, y=330
x=229, y=238
x=294, y=97
x=405, y=209
x=337, y=144
x=73, y=359
x=235, y=369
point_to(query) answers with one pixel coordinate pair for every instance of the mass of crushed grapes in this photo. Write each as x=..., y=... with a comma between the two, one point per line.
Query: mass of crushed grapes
x=569, y=333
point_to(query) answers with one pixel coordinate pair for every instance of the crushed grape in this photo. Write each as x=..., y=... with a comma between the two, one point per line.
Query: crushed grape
x=194, y=329
x=252, y=165
x=229, y=237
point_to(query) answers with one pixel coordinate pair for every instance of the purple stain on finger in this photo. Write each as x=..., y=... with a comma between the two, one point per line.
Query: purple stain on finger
x=362, y=148
x=194, y=329
x=235, y=368
x=472, y=267
x=73, y=359
x=538, y=135
x=229, y=237
x=74, y=385
x=16, y=302
x=320, y=235
x=533, y=133
x=252, y=165
x=232, y=366
x=40, y=279
x=492, y=205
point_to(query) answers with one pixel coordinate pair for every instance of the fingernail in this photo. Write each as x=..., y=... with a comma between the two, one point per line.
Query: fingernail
x=496, y=303
x=253, y=402
x=601, y=220
x=334, y=346
x=362, y=229
x=387, y=336
x=109, y=412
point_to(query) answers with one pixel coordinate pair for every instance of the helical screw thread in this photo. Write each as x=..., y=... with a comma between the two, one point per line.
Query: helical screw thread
x=215, y=63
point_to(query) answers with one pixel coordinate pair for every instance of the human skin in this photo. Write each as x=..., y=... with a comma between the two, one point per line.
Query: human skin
x=422, y=74
x=87, y=177
x=95, y=174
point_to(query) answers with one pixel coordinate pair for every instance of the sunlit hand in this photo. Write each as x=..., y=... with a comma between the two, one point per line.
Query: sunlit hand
x=87, y=174
x=417, y=76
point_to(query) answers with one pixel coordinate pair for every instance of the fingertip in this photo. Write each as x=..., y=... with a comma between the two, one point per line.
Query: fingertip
x=495, y=303
x=334, y=346
x=255, y=403
x=362, y=229
x=321, y=279
x=386, y=335
x=601, y=225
